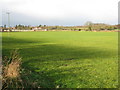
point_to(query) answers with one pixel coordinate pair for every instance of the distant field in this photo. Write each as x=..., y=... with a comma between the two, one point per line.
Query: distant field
x=67, y=59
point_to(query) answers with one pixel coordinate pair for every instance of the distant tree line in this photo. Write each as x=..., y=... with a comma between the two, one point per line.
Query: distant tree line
x=89, y=26
x=23, y=27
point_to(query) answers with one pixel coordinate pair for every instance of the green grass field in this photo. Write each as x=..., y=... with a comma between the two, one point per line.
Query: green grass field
x=66, y=59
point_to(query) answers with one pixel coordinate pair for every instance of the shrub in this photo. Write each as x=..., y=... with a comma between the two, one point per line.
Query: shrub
x=11, y=71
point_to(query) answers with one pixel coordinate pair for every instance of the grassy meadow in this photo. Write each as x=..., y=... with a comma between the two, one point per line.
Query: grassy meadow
x=66, y=59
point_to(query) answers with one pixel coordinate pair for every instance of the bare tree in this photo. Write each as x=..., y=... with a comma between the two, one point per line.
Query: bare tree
x=89, y=24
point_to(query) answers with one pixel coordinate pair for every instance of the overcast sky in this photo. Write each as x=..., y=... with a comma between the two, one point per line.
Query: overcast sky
x=59, y=12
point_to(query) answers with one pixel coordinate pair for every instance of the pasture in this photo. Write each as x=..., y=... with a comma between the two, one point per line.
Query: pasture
x=66, y=59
